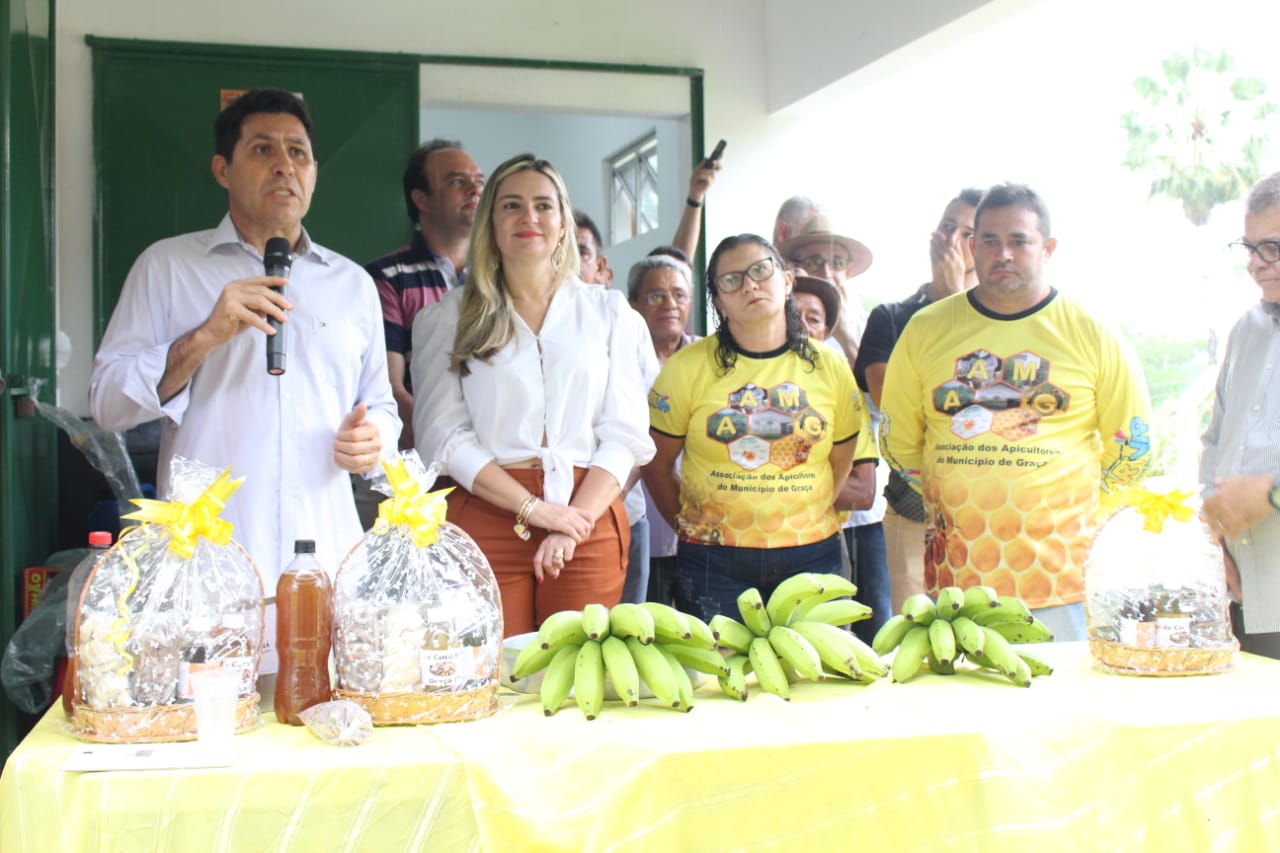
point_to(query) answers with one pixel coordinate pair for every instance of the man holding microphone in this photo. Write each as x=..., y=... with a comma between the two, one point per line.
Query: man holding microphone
x=188, y=338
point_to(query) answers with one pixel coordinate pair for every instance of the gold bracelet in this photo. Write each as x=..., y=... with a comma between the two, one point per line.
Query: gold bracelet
x=522, y=517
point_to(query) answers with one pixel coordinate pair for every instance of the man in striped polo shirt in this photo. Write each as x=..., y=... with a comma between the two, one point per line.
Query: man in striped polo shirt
x=442, y=187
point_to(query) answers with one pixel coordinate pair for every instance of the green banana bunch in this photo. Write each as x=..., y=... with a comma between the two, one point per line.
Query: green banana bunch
x=975, y=623
x=633, y=646
x=794, y=637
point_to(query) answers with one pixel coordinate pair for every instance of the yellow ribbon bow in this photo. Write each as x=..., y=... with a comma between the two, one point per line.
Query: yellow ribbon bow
x=424, y=513
x=188, y=522
x=1156, y=508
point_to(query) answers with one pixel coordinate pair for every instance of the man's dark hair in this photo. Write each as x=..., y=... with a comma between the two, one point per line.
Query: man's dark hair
x=969, y=195
x=671, y=252
x=581, y=220
x=415, y=173
x=1013, y=195
x=226, y=127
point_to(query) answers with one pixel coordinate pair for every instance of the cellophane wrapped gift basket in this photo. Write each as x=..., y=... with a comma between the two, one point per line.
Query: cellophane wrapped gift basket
x=1156, y=591
x=417, y=617
x=174, y=595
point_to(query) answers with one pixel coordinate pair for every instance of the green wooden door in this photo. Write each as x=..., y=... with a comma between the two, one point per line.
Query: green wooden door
x=154, y=106
x=28, y=478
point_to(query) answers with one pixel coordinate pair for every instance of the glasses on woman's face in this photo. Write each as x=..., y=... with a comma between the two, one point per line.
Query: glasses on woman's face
x=661, y=297
x=731, y=282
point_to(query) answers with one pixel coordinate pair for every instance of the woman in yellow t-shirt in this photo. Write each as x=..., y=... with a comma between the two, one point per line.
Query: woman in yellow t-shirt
x=766, y=421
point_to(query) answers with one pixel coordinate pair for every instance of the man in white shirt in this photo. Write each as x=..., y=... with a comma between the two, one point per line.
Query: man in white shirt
x=187, y=343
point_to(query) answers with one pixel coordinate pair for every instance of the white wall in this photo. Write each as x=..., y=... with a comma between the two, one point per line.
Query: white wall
x=577, y=145
x=814, y=44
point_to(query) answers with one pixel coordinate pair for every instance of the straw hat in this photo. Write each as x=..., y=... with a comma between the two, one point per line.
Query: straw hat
x=818, y=230
x=825, y=291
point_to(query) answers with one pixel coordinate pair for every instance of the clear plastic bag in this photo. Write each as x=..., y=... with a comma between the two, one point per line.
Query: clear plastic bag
x=175, y=594
x=338, y=723
x=417, y=618
x=105, y=451
x=1156, y=592
x=31, y=657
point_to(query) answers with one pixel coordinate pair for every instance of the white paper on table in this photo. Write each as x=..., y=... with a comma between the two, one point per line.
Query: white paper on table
x=147, y=756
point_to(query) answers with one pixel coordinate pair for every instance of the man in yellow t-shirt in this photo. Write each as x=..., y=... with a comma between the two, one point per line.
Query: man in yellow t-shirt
x=1009, y=408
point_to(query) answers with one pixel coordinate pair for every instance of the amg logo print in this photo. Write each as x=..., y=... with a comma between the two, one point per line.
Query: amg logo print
x=763, y=425
x=1004, y=396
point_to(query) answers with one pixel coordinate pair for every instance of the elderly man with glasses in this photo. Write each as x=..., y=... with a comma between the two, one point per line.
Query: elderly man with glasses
x=1240, y=466
x=817, y=250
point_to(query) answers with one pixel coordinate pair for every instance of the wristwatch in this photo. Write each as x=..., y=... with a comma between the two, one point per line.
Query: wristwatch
x=1274, y=495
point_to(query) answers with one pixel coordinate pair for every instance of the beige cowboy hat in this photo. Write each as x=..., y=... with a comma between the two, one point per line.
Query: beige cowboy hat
x=817, y=230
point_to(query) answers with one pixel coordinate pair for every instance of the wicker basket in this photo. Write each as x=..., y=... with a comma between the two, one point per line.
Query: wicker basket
x=411, y=709
x=154, y=723
x=1131, y=660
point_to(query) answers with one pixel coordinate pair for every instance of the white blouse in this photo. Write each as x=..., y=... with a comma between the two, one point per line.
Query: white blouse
x=562, y=382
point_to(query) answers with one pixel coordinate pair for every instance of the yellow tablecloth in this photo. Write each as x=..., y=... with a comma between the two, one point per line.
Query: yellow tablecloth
x=1080, y=761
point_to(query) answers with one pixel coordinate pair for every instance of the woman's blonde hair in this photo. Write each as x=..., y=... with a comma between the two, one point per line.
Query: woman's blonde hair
x=486, y=319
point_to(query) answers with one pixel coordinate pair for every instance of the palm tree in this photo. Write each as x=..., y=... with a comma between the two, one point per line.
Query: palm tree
x=1200, y=131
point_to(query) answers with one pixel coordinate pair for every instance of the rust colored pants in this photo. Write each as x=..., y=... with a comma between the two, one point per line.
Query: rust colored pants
x=595, y=574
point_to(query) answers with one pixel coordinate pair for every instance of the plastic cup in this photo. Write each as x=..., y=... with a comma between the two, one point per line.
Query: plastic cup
x=215, y=693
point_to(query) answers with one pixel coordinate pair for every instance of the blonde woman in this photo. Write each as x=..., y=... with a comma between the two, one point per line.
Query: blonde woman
x=525, y=405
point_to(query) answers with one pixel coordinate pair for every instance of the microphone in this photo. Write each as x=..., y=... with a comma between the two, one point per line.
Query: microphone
x=276, y=260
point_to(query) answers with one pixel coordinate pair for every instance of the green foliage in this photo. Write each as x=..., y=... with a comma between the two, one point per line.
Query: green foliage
x=1171, y=367
x=1168, y=364
x=1200, y=133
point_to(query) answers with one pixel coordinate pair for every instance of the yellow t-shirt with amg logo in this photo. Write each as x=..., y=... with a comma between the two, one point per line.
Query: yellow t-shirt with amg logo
x=1010, y=426
x=755, y=471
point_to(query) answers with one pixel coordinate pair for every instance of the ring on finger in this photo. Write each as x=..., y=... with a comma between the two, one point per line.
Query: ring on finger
x=558, y=554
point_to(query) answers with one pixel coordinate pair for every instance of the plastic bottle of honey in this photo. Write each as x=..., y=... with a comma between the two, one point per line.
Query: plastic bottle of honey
x=304, y=632
x=99, y=542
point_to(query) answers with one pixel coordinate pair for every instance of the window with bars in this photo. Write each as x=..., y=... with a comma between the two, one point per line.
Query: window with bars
x=634, y=190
